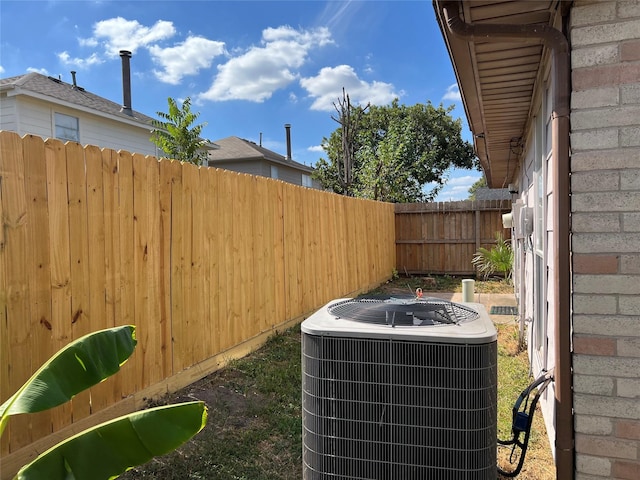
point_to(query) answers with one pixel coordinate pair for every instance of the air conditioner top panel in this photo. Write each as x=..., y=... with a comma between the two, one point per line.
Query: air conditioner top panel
x=479, y=330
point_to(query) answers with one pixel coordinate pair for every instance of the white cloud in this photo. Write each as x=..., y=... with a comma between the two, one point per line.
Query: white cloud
x=260, y=71
x=452, y=195
x=117, y=34
x=453, y=93
x=457, y=188
x=41, y=71
x=120, y=34
x=316, y=148
x=327, y=87
x=464, y=180
x=66, y=59
x=186, y=58
x=1, y=69
x=88, y=42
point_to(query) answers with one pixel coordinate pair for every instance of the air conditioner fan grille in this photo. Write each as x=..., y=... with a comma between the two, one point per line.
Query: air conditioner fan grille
x=398, y=311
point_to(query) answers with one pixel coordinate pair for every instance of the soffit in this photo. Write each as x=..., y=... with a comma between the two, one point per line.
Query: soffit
x=497, y=80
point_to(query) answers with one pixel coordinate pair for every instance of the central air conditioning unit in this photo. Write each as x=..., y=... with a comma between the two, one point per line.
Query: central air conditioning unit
x=398, y=389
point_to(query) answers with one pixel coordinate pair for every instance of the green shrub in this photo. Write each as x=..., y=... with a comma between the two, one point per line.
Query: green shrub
x=497, y=259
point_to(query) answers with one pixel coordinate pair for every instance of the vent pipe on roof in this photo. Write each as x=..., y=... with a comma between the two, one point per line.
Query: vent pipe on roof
x=125, y=55
x=73, y=76
x=287, y=128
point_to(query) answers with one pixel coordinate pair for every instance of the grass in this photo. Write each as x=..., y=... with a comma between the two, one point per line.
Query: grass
x=442, y=283
x=254, y=427
x=254, y=430
x=513, y=378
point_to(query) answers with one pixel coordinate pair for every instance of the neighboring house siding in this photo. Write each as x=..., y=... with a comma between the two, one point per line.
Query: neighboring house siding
x=111, y=134
x=289, y=175
x=8, y=119
x=33, y=117
x=246, y=166
x=605, y=183
x=36, y=117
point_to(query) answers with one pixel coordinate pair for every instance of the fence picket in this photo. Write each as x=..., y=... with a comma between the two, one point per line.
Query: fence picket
x=59, y=248
x=165, y=181
x=109, y=391
x=80, y=322
x=125, y=269
x=39, y=270
x=16, y=294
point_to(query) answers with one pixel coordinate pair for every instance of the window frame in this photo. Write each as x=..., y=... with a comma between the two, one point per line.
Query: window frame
x=539, y=241
x=306, y=180
x=59, y=125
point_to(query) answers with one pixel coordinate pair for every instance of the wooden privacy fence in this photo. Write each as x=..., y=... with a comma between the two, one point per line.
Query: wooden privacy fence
x=441, y=238
x=201, y=260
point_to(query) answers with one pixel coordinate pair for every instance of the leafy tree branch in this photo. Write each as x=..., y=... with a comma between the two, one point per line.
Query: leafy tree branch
x=398, y=153
x=177, y=135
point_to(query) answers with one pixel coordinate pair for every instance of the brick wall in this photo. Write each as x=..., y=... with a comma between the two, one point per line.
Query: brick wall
x=605, y=164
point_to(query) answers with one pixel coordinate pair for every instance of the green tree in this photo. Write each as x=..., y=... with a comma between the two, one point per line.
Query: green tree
x=398, y=151
x=480, y=183
x=177, y=135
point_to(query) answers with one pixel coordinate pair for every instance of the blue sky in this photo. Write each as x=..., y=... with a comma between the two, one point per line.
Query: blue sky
x=248, y=66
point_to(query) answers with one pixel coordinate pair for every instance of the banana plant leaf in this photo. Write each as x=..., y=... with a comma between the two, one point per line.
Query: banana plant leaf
x=109, y=449
x=78, y=366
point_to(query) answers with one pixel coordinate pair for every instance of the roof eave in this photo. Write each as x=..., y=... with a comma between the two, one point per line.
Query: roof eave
x=465, y=77
x=497, y=80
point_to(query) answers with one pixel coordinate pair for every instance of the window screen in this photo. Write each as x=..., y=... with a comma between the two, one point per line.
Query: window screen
x=67, y=127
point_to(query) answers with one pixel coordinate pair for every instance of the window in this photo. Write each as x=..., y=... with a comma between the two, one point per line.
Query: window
x=540, y=309
x=306, y=180
x=538, y=180
x=67, y=127
x=540, y=274
x=274, y=171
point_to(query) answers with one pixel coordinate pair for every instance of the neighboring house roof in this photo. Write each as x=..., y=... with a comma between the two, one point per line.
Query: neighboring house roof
x=497, y=79
x=239, y=149
x=493, y=194
x=51, y=89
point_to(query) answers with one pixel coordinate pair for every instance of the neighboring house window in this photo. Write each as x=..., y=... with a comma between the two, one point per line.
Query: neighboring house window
x=306, y=180
x=67, y=127
x=274, y=171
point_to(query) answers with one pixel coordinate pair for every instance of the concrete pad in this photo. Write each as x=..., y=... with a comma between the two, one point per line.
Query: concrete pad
x=486, y=299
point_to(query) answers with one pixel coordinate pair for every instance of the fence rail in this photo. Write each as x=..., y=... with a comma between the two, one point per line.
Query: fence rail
x=201, y=260
x=441, y=238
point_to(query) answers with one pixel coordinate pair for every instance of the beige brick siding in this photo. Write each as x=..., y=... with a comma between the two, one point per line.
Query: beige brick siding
x=605, y=184
x=586, y=263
